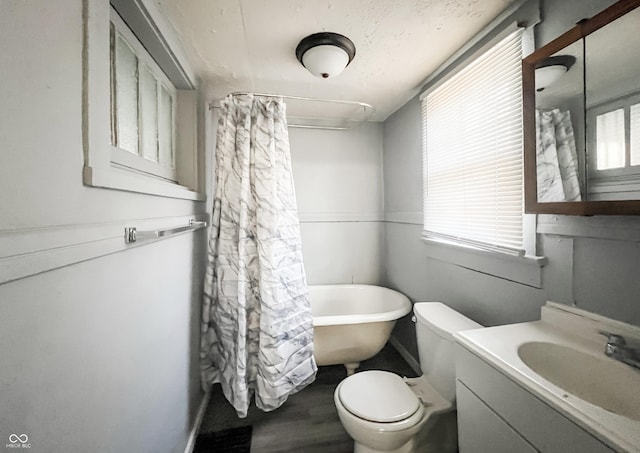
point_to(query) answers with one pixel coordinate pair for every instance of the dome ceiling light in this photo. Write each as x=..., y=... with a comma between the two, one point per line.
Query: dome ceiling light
x=551, y=69
x=325, y=54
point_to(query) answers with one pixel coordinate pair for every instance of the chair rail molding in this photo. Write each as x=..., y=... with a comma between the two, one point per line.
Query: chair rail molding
x=30, y=251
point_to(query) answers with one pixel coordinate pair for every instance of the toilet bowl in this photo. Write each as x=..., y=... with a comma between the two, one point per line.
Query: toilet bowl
x=384, y=412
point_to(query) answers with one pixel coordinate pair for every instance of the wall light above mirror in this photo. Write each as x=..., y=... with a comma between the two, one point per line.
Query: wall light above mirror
x=581, y=101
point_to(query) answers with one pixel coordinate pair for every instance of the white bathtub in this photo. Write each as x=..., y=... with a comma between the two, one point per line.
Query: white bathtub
x=352, y=323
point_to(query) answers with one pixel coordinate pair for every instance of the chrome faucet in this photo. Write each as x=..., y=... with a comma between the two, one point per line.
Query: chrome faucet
x=617, y=349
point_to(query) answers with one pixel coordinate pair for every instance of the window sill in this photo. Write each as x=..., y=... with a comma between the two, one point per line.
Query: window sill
x=526, y=270
x=112, y=178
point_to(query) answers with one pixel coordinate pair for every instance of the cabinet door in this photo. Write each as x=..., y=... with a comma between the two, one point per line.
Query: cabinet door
x=481, y=430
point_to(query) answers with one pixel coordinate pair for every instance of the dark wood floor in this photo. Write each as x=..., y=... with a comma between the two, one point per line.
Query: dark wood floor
x=308, y=421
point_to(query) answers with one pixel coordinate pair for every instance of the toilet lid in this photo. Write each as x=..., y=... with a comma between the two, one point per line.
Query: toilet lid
x=378, y=396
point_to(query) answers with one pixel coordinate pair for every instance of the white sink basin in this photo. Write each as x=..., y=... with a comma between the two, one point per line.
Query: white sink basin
x=600, y=381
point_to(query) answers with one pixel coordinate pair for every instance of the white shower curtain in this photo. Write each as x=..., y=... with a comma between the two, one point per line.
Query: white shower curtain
x=257, y=328
x=556, y=160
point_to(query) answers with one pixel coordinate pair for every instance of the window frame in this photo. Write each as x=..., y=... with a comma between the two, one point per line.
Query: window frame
x=122, y=157
x=610, y=183
x=109, y=169
x=517, y=267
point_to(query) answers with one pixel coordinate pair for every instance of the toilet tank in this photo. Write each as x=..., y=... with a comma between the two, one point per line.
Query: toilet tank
x=435, y=325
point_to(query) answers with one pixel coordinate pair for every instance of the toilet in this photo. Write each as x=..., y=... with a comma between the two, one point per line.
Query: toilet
x=384, y=412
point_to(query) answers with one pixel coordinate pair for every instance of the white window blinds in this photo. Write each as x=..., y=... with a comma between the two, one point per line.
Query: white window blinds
x=472, y=151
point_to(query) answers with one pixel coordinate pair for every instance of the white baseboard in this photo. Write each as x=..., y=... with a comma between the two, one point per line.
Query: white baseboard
x=413, y=363
x=191, y=442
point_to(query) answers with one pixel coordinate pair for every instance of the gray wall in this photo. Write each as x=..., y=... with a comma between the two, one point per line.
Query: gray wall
x=103, y=356
x=100, y=355
x=338, y=178
x=591, y=261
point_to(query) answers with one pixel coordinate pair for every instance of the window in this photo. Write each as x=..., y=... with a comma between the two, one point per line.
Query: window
x=142, y=106
x=613, y=130
x=610, y=141
x=472, y=153
x=140, y=103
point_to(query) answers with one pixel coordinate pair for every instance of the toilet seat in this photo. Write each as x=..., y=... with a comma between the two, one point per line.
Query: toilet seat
x=381, y=397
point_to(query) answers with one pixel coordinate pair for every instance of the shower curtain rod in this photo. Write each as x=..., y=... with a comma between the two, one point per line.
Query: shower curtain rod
x=300, y=98
x=368, y=109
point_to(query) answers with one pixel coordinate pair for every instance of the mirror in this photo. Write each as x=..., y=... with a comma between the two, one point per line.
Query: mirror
x=560, y=144
x=582, y=118
x=612, y=83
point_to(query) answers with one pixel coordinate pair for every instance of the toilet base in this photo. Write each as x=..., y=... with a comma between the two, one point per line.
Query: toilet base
x=439, y=436
x=406, y=448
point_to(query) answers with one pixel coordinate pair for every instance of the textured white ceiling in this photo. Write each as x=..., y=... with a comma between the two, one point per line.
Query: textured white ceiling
x=249, y=45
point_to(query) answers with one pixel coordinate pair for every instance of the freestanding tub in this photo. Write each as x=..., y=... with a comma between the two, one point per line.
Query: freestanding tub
x=352, y=323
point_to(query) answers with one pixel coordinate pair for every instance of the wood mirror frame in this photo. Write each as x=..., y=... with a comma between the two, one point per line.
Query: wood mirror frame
x=577, y=33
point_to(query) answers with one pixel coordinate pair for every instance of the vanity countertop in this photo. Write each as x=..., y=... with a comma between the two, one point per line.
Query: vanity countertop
x=575, y=329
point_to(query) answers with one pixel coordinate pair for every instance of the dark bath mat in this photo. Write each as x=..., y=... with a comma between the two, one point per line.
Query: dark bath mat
x=234, y=440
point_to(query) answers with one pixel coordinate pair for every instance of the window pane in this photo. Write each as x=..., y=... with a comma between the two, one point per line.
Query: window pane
x=112, y=83
x=165, y=128
x=610, y=140
x=148, y=115
x=635, y=134
x=126, y=96
x=472, y=147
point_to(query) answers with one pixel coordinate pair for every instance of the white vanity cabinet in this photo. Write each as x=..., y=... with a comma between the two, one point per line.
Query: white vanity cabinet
x=480, y=429
x=497, y=415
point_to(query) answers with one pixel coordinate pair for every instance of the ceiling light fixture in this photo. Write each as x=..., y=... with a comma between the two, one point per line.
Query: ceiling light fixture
x=325, y=54
x=551, y=69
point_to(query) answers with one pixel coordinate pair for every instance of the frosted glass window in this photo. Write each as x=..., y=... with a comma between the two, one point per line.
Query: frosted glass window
x=472, y=152
x=126, y=86
x=610, y=143
x=126, y=62
x=142, y=107
x=148, y=114
x=112, y=84
x=165, y=131
x=634, y=136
